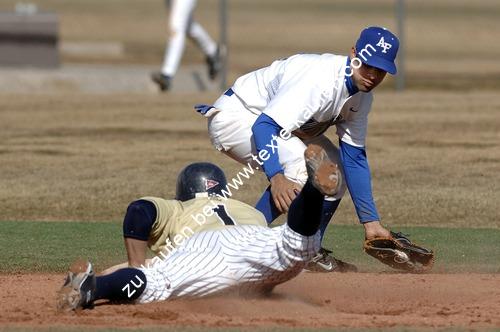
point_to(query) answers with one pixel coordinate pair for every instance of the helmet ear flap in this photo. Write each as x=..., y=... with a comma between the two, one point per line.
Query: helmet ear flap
x=198, y=179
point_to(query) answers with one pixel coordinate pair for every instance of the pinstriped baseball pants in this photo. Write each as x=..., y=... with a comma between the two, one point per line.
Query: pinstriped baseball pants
x=241, y=259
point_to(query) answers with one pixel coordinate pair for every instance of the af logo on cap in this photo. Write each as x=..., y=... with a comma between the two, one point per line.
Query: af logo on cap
x=385, y=46
x=378, y=38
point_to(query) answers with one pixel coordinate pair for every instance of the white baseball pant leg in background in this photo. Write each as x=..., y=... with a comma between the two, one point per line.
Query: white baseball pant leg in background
x=230, y=131
x=246, y=259
x=181, y=23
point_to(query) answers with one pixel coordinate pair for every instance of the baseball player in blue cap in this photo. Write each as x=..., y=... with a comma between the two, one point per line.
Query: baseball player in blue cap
x=269, y=116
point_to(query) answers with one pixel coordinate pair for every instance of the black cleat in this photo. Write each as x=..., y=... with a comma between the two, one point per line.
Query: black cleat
x=324, y=262
x=163, y=81
x=215, y=63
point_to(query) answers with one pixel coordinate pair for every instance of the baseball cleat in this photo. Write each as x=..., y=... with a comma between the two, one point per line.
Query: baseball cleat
x=323, y=173
x=163, y=81
x=79, y=287
x=324, y=262
x=215, y=62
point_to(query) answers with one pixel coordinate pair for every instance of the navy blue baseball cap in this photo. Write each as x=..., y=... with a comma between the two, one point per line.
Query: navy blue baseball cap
x=378, y=48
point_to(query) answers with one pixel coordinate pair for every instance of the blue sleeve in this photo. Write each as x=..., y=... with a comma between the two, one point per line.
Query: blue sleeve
x=358, y=179
x=265, y=131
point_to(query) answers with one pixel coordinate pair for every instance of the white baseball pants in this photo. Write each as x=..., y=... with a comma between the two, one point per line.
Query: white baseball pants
x=242, y=259
x=230, y=131
x=182, y=23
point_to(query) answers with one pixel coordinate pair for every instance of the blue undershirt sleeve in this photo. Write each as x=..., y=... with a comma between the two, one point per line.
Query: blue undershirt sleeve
x=265, y=132
x=358, y=179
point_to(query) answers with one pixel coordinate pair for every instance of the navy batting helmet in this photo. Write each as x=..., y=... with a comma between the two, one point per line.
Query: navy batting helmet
x=200, y=178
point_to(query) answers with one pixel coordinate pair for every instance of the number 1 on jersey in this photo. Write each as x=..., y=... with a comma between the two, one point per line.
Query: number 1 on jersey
x=221, y=212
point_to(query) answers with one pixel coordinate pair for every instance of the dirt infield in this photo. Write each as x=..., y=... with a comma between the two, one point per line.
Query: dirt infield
x=360, y=300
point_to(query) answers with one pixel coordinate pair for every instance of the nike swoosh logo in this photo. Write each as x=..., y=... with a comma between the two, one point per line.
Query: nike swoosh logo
x=327, y=267
x=352, y=109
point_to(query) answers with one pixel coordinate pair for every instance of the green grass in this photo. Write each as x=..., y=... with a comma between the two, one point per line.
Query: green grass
x=457, y=249
x=52, y=246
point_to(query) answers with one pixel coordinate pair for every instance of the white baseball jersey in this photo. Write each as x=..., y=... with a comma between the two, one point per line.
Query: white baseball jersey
x=306, y=87
x=242, y=259
x=303, y=91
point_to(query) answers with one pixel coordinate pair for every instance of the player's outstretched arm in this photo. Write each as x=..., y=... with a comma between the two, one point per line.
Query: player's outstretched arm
x=137, y=226
x=136, y=251
x=120, y=266
x=114, y=268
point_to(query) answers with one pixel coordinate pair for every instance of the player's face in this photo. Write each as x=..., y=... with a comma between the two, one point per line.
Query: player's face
x=367, y=77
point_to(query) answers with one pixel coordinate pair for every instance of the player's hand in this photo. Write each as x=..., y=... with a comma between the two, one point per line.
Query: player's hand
x=283, y=191
x=374, y=229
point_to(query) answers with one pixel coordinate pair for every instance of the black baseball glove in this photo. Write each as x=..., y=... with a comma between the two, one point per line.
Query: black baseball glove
x=400, y=253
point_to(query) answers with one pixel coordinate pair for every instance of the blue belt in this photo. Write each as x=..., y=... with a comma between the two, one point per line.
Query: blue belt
x=229, y=92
